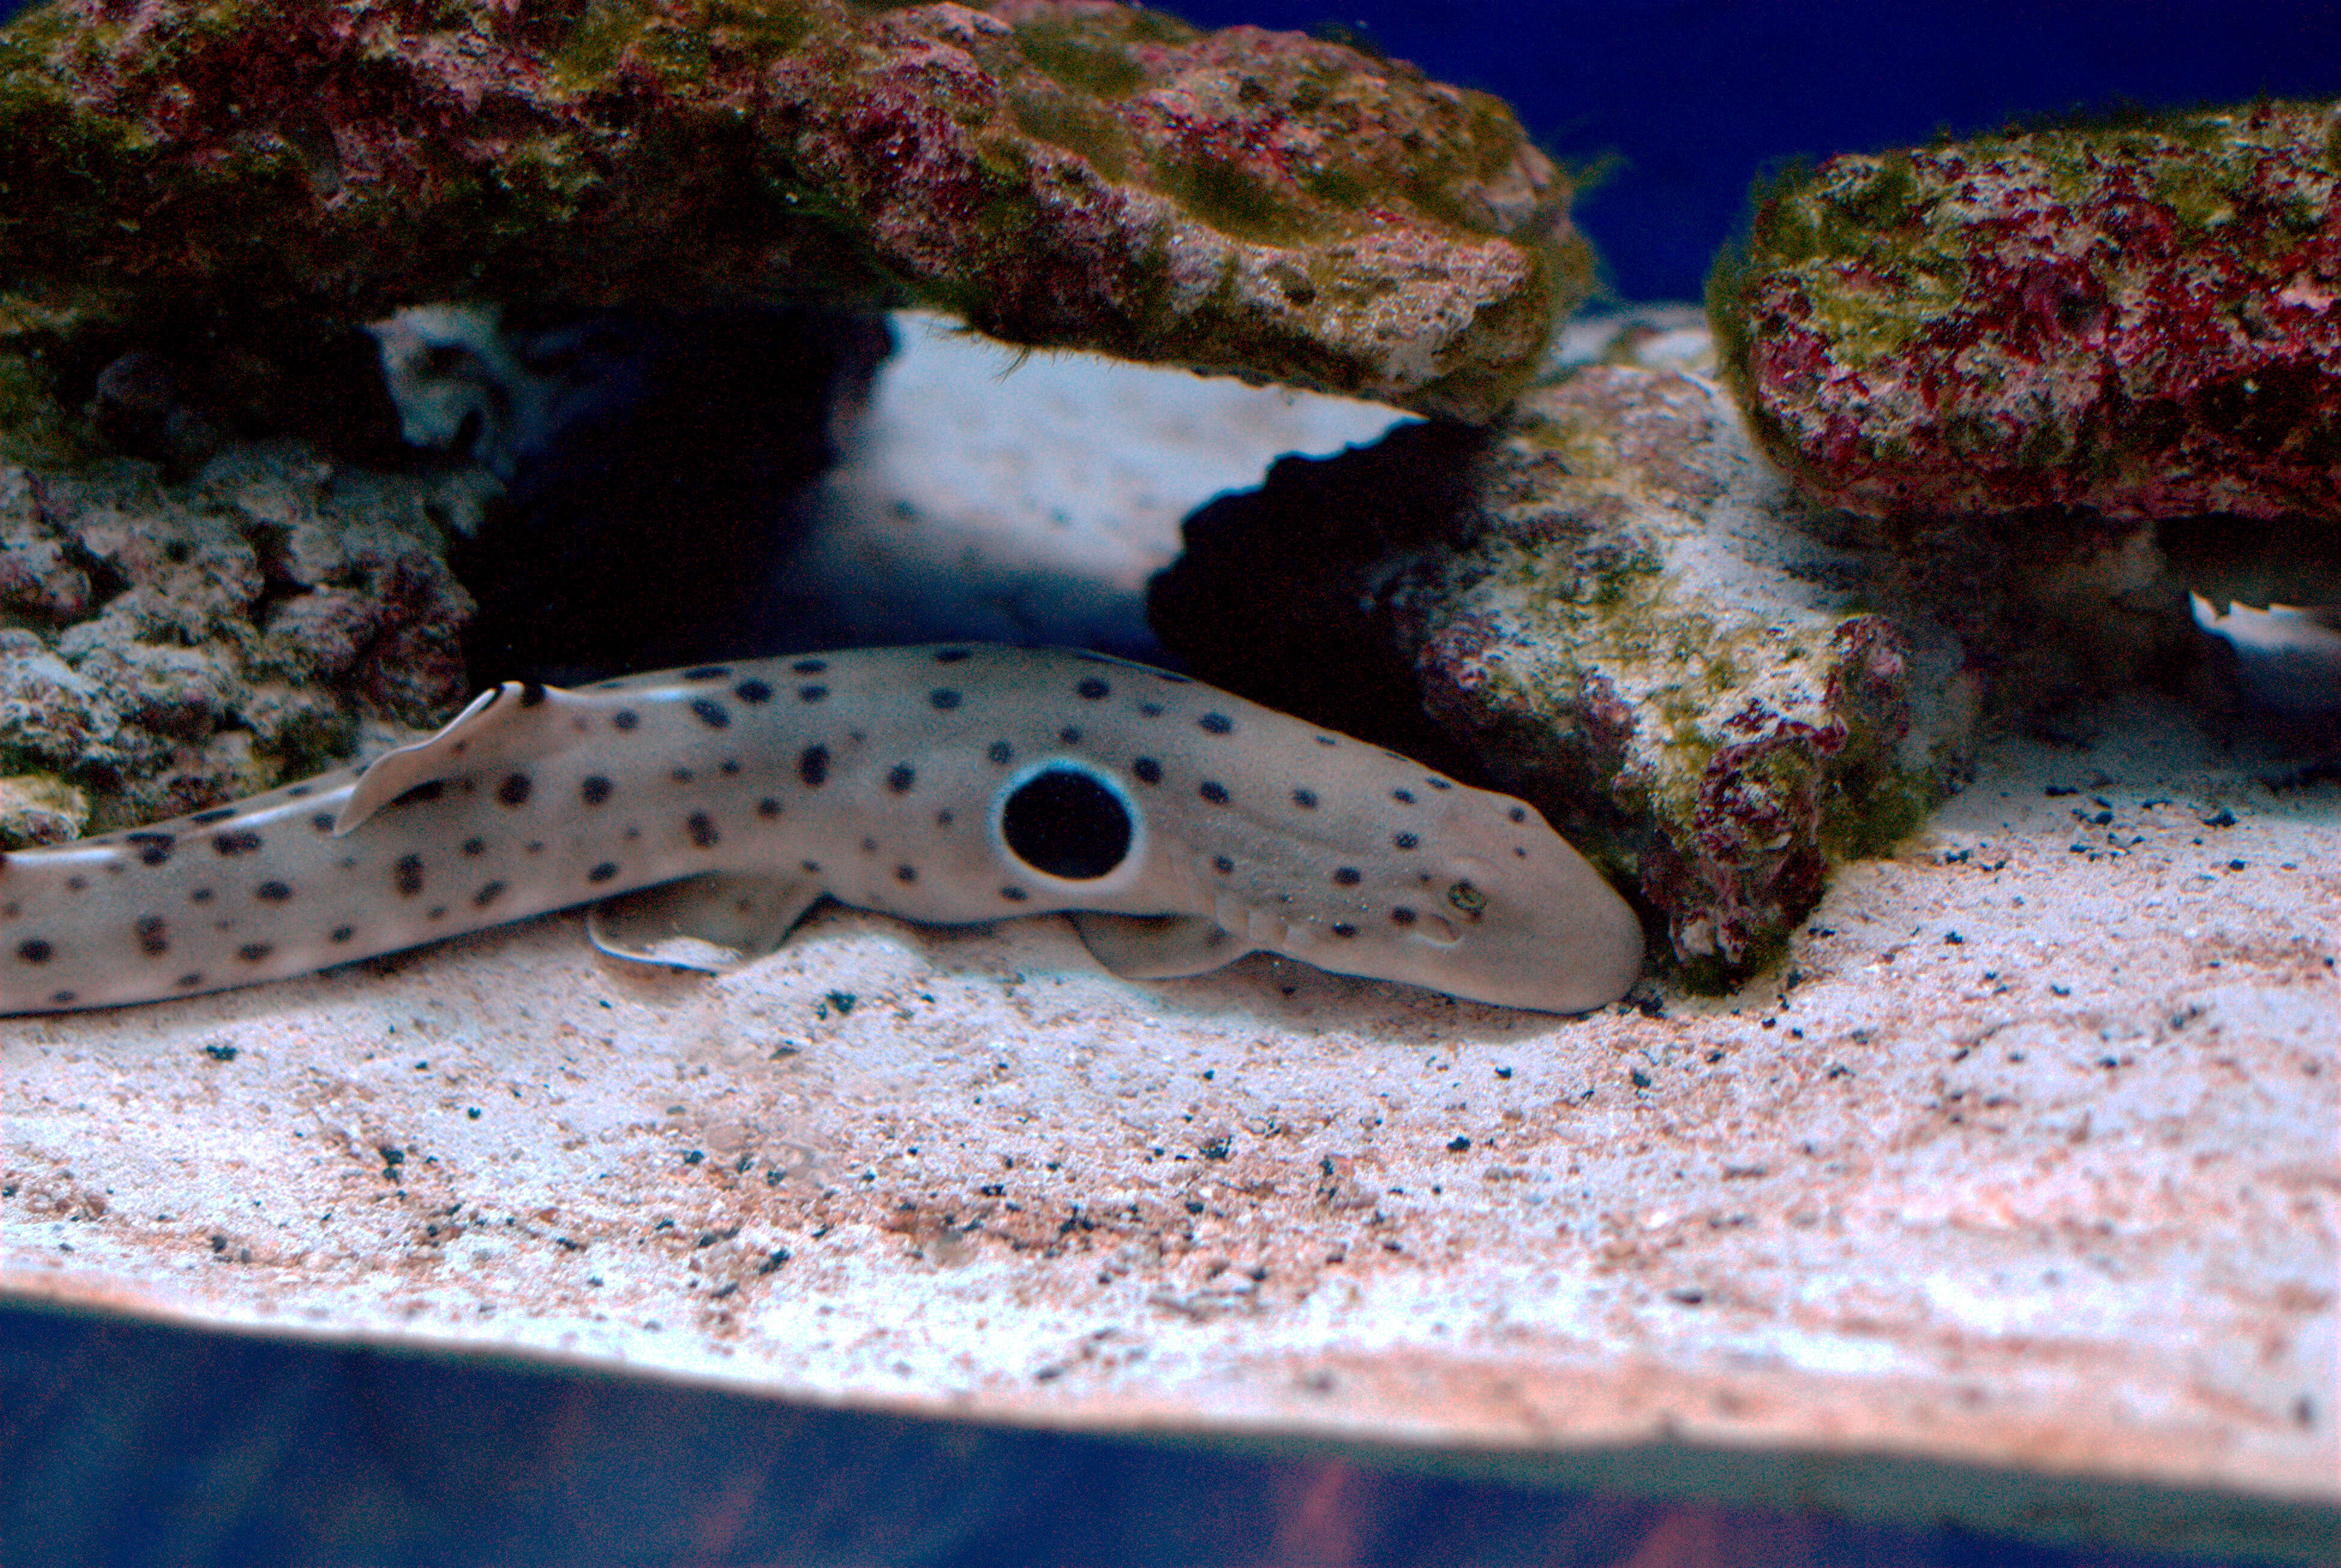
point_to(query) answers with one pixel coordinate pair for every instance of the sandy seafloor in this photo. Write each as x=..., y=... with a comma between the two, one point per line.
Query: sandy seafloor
x=2022, y=1169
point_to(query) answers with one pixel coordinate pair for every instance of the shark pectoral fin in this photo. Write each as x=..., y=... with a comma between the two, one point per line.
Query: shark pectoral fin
x=504, y=723
x=1157, y=946
x=718, y=921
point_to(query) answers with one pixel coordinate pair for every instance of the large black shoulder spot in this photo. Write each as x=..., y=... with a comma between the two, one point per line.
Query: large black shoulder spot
x=1070, y=822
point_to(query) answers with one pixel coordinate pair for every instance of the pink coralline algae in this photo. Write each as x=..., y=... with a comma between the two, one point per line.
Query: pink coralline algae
x=2134, y=321
x=1060, y=173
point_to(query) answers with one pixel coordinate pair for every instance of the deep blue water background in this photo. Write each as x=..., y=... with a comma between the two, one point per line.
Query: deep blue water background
x=1696, y=96
x=132, y=1444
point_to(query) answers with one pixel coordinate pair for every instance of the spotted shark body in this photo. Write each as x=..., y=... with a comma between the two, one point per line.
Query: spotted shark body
x=708, y=809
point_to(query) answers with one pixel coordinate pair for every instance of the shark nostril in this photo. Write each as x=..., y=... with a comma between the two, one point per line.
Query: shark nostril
x=1437, y=930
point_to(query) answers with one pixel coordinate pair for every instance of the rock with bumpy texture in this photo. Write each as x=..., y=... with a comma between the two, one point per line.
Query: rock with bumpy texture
x=1605, y=604
x=191, y=642
x=1060, y=173
x=39, y=808
x=2134, y=320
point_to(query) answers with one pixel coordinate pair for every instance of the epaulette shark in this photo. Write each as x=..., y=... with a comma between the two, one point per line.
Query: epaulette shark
x=708, y=809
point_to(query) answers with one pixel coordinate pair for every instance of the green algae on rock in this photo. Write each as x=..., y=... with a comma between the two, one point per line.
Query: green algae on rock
x=2131, y=317
x=1064, y=174
x=1605, y=604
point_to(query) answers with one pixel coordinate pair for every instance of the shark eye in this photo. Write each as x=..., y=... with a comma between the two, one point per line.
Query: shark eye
x=1066, y=822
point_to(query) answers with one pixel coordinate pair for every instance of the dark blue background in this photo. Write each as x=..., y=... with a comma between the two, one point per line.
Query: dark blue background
x=1696, y=96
